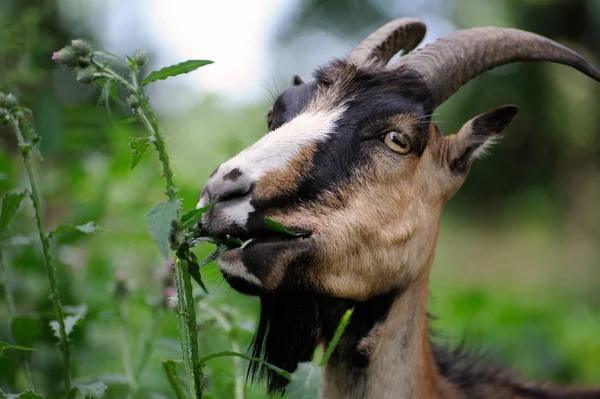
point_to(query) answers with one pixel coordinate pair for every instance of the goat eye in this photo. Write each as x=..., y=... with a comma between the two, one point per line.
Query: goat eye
x=396, y=142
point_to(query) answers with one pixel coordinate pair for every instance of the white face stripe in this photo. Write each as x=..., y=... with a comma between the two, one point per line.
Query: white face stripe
x=273, y=152
x=277, y=148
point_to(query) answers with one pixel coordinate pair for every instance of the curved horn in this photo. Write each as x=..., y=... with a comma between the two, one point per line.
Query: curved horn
x=450, y=62
x=399, y=34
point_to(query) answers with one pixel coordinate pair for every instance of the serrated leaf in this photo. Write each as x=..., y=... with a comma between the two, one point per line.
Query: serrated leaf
x=159, y=223
x=174, y=70
x=87, y=228
x=26, y=395
x=71, y=321
x=25, y=329
x=305, y=382
x=95, y=390
x=192, y=217
x=277, y=227
x=138, y=148
x=10, y=205
x=4, y=346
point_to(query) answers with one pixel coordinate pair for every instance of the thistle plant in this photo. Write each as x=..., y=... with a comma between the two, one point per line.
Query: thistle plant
x=27, y=139
x=164, y=219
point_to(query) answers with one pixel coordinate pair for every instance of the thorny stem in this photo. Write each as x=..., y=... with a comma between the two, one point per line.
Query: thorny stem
x=185, y=299
x=12, y=312
x=25, y=148
x=187, y=327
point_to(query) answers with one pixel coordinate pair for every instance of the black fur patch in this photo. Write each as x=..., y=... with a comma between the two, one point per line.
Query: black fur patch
x=291, y=326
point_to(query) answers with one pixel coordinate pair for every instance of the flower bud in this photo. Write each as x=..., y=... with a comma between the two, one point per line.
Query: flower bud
x=133, y=101
x=66, y=58
x=10, y=101
x=81, y=47
x=2, y=100
x=140, y=57
x=86, y=75
x=3, y=116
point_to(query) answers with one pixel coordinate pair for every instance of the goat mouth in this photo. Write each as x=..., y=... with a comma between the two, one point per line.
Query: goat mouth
x=242, y=240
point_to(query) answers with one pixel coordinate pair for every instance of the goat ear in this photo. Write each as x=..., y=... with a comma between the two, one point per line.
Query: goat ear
x=298, y=80
x=476, y=136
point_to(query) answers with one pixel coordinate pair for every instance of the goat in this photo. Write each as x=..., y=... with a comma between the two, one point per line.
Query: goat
x=353, y=161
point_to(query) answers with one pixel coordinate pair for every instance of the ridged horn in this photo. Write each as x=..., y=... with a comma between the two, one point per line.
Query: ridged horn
x=452, y=61
x=399, y=34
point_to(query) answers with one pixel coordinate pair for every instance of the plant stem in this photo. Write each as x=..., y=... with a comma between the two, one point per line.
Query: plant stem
x=10, y=302
x=25, y=148
x=125, y=352
x=148, y=343
x=185, y=300
x=187, y=327
x=239, y=379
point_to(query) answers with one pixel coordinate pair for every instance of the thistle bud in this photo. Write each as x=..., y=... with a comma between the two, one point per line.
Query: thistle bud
x=140, y=57
x=86, y=75
x=81, y=47
x=3, y=116
x=2, y=100
x=10, y=101
x=66, y=58
x=133, y=101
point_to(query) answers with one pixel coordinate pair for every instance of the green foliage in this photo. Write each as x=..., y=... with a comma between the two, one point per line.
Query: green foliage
x=305, y=382
x=25, y=330
x=26, y=395
x=159, y=223
x=95, y=390
x=174, y=70
x=138, y=148
x=275, y=226
x=4, y=346
x=10, y=205
x=77, y=314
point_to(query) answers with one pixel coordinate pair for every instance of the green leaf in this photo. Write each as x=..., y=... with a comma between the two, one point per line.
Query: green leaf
x=95, y=390
x=104, y=99
x=344, y=321
x=26, y=395
x=192, y=217
x=25, y=329
x=275, y=226
x=4, y=346
x=159, y=223
x=169, y=366
x=174, y=70
x=128, y=121
x=87, y=228
x=216, y=355
x=10, y=205
x=71, y=321
x=305, y=383
x=138, y=148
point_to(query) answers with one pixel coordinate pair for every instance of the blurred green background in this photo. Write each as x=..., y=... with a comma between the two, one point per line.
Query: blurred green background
x=518, y=262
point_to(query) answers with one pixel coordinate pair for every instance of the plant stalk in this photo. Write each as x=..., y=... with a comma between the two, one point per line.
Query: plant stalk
x=188, y=329
x=185, y=300
x=25, y=148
